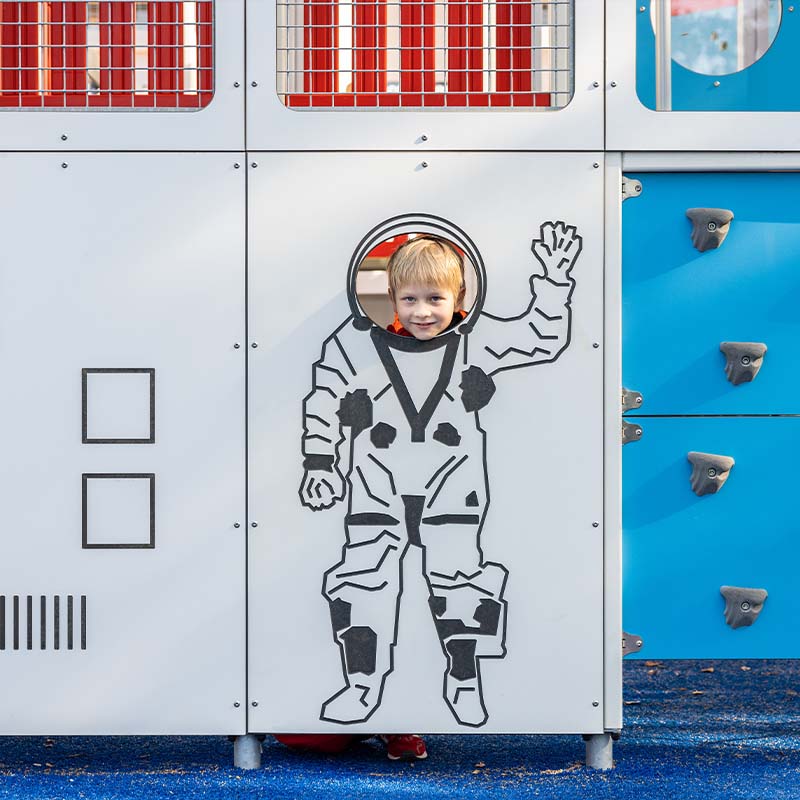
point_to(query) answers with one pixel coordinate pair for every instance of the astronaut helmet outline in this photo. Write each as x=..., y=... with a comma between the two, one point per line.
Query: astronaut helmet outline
x=418, y=223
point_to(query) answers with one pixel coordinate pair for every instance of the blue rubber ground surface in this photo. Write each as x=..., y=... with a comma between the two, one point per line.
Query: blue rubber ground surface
x=689, y=733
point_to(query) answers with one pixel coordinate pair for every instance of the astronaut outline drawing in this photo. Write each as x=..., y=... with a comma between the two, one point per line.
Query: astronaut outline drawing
x=392, y=425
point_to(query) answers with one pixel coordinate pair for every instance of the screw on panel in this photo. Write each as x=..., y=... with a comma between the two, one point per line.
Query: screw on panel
x=236, y=345
x=64, y=165
x=423, y=138
x=236, y=165
x=63, y=137
x=595, y=524
x=254, y=84
x=716, y=83
x=613, y=84
x=236, y=705
x=424, y=165
x=596, y=345
x=254, y=345
x=236, y=84
x=641, y=9
x=254, y=703
x=253, y=524
x=596, y=165
x=254, y=164
x=596, y=84
x=595, y=703
x=236, y=525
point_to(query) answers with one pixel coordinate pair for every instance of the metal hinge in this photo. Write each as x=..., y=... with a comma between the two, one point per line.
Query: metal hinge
x=630, y=187
x=631, y=643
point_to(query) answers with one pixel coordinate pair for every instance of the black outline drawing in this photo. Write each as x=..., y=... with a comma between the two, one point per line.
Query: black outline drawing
x=365, y=588
x=85, y=478
x=85, y=372
x=56, y=622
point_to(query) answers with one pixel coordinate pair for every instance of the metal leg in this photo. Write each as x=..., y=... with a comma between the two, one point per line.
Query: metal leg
x=599, y=751
x=247, y=752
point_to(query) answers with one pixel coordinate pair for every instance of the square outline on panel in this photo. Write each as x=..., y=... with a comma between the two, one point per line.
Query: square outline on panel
x=85, y=411
x=84, y=510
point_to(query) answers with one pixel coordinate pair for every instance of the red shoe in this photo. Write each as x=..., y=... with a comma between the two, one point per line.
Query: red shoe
x=406, y=746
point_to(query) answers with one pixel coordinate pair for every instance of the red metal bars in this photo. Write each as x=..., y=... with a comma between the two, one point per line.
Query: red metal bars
x=369, y=49
x=45, y=47
x=464, y=49
x=321, y=43
x=417, y=50
x=116, y=53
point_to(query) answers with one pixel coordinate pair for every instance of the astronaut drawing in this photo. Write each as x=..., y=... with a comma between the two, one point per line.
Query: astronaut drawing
x=392, y=427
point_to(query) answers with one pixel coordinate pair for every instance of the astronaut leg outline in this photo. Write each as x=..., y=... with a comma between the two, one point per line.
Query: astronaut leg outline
x=363, y=591
x=469, y=611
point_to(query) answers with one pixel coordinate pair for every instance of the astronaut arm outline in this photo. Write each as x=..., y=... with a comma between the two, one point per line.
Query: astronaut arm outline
x=542, y=331
x=325, y=441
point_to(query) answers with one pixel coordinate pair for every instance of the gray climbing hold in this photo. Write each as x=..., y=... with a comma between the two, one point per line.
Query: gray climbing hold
x=743, y=360
x=709, y=472
x=710, y=226
x=742, y=606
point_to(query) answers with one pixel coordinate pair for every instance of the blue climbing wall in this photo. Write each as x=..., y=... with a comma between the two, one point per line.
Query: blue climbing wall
x=678, y=305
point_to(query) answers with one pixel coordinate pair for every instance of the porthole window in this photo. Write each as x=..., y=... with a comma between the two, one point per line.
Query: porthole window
x=372, y=283
x=720, y=37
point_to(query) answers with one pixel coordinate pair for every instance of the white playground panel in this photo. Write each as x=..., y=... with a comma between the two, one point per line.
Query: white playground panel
x=131, y=269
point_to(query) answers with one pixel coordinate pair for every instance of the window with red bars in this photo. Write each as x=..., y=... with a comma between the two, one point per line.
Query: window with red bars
x=425, y=53
x=106, y=54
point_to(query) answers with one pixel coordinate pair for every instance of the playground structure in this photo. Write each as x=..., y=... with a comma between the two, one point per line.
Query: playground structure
x=193, y=191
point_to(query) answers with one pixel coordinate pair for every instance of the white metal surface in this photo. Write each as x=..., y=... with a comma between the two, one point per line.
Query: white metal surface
x=630, y=126
x=217, y=125
x=612, y=457
x=544, y=434
x=122, y=261
x=271, y=125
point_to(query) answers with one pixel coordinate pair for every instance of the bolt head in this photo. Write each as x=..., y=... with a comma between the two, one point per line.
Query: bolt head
x=236, y=345
x=236, y=705
x=642, y=9
x=638, y=401
x=424, y=137
x=236, y=84
x=63, y=137
x=64, y=165
x=746, y=360
x=254, y=84
x=595, y=524
x=712, y=226
x=253, y=524
x=424, y=165
x=596, y=84
x=716, y=83
x=254, y=164
x=595, y=703
x=613, y=84
x=236, y=165
x=236, y=525
x=596, y=345
x=254, y=345
x=712, y=473
x=745, y=606
x=254, y=704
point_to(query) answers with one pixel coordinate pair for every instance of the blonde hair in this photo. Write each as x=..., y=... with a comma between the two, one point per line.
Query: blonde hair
x=426, y=260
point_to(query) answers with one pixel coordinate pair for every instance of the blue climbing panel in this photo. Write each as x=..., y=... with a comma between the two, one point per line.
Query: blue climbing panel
x=679, y=304
x=679, y=549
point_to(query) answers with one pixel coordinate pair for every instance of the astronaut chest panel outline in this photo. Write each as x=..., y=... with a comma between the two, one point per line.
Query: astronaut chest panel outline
x=392, y=426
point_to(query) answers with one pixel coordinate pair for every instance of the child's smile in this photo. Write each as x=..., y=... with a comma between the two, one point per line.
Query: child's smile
x=424, y=311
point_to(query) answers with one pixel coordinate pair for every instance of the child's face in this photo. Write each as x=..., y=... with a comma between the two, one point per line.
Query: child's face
x=425, y=310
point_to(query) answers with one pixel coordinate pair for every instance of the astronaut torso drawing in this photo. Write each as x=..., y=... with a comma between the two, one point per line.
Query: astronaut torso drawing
x=392, y=428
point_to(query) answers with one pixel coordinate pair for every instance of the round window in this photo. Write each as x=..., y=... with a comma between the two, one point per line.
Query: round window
x=720, y=37
x=422, y=300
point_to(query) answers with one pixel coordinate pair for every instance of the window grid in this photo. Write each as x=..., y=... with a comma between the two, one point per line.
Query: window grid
x=425, y=53
x=71, y=54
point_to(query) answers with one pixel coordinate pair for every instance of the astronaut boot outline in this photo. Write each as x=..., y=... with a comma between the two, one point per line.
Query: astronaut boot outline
x=357, y=700
x=463, y=692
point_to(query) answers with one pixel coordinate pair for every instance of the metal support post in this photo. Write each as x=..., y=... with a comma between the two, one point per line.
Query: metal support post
x=599, y=751
x=247, y=752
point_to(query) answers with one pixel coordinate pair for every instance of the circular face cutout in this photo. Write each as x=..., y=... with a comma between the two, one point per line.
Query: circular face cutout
x=721, y=37
x=438, y=289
